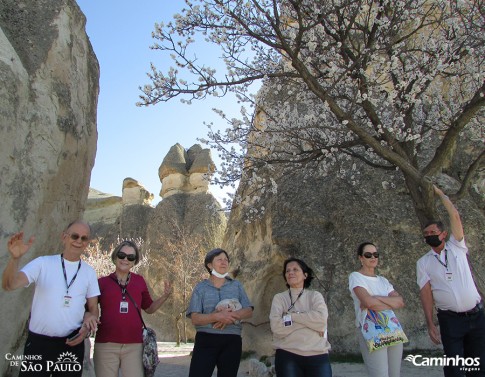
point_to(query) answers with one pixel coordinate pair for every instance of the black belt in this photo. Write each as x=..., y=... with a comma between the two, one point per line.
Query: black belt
x=478, y=307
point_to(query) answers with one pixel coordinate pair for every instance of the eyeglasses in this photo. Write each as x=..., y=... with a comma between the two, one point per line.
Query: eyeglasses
x=75, y=237
x=368, y=255
x=122, y=255
x=432, y=233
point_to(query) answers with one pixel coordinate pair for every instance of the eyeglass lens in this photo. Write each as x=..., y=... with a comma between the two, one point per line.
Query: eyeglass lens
x=370, y=255
x=75, y=237
x=122, y=255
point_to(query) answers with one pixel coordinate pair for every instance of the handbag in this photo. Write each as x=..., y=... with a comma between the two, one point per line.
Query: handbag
x=150, y=352
x=382, y=329
x=150, y=348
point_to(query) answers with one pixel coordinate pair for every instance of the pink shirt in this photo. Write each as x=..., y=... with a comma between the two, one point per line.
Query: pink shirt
x=119, y=327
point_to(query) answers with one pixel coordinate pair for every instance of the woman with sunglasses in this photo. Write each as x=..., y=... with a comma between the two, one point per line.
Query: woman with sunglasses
x=118, y=343
x=374, y=292
x=298, y=320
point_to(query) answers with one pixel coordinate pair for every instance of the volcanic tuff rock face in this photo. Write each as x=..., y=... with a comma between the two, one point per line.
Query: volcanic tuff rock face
x=322, y=221
x=48, y=99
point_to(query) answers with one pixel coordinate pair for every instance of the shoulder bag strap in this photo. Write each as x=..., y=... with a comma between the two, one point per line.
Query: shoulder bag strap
x=133, y=301
x=137, y=309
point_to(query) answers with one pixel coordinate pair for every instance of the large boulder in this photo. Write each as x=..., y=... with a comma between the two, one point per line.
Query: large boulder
x=48, y=98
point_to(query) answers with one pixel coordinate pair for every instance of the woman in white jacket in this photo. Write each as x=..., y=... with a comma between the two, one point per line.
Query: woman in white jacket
x=298, y=321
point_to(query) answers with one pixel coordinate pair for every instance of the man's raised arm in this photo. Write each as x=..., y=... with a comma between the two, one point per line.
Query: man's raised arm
x=12, y=278
x=453, y=214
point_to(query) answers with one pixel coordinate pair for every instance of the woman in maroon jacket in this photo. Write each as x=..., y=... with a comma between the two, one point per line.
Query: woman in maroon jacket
x=118, y=344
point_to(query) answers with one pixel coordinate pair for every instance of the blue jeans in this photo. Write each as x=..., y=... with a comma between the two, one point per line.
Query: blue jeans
x=288, y=364
x=463, y=336
x=211, y=350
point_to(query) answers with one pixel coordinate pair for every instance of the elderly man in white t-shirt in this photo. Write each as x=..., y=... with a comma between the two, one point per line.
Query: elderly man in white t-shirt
x=446, y=282
x=65, y=286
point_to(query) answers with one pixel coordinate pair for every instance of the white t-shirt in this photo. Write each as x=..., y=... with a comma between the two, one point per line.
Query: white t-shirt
x=452, y=286
x=49, y=315
x=375, y=286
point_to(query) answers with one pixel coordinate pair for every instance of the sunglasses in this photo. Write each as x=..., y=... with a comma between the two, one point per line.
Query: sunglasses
x=75, y=237
x=122, y=255
x=368, y=255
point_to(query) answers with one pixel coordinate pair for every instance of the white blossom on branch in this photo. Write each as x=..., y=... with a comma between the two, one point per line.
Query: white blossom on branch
x=391, y=83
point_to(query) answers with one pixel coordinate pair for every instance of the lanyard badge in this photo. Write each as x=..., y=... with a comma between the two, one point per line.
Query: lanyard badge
x=66, y=299
x=287, y=320
x=124, y=307
x=448, y=274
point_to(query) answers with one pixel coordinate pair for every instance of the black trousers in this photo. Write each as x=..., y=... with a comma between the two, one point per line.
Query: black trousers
x=211, y=350
x=463, y=338
x=289, y=364
x=46, y=356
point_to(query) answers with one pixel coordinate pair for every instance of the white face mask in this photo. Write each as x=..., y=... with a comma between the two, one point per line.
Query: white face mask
x=218, y=275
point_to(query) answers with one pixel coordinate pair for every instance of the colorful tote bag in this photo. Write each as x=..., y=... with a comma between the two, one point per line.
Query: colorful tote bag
x=382, y=329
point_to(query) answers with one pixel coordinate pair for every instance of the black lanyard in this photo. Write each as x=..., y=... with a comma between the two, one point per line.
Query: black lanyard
x=123, y=286
x=65, y=275
x=445, y=265
x=291, y=299
x=123, y=290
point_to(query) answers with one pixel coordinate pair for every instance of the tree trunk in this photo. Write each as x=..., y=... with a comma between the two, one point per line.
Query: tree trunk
x=177, y=329
x=185, y=332
x=423, y=197
x=184, y=301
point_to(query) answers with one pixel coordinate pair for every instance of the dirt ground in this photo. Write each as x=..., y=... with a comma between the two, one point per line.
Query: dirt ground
x=175, y=361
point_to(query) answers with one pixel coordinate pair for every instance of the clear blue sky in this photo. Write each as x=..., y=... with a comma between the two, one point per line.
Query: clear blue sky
x=132, y=141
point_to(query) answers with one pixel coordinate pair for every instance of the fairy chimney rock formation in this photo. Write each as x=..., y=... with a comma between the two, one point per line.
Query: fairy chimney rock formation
x=186, y=171
x=135, y=193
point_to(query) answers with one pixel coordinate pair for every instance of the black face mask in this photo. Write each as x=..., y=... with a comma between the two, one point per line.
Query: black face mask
x=433, y=241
